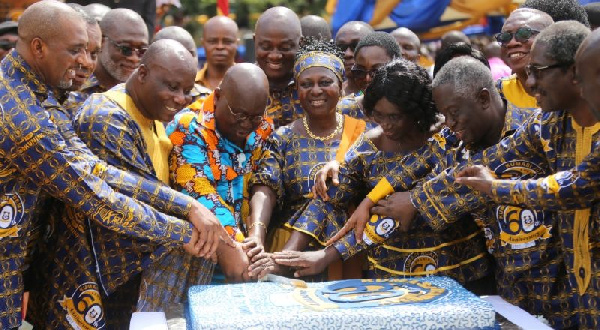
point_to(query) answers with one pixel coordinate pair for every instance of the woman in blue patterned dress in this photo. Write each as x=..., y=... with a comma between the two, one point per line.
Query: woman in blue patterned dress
x=400, y=101
x=281, y=187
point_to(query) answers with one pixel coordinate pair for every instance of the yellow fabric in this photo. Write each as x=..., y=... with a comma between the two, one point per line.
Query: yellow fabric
x=478, y=7
x=153, y=131
x=515, y=93
x=437, y=32
x=580, y=231
x=382, y=189
x=277, y=238
x=201, y=76
x=353, y=129
x=382, y=9
x=330, y=7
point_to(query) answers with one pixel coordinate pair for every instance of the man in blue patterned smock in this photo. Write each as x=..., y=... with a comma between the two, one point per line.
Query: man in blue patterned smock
x=573, y=189
x=40, y=152
x=123, y=127
x=562, y=285
x=276, y=38
x=85, y=70
x=124, y=41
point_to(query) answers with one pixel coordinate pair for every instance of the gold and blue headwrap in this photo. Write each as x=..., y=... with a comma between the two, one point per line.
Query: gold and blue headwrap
x=322, y=59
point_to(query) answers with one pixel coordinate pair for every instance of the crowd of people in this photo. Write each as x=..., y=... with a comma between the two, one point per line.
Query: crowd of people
x=128, y=174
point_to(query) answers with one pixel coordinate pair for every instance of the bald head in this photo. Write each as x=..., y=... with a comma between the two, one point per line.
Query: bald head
x=247, y=83
x=408, y=42
x=46, y=20
x=178, y=34
x=219, y=23
x=315, y=26
x=453, y=37
x=533, y=18
x=243, y=92
x=359, y=28
x=120, y=19
x=280, y=17
x=168, y=52
x=96, y=10
x=588, y=70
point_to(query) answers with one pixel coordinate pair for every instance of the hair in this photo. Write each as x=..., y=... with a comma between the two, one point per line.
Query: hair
x=380, y=39
x=456, y=50
x=315, y=26
x=563, y=39
x=179, y=34
x=279, y=14
x=406, y=85
x=81, y=11
x=453, y=37
x=45, y=19
x=467, y=76
x=560, y=10
x=315, y=44
x=115, y=17
x=593, y=13
x=359, y=24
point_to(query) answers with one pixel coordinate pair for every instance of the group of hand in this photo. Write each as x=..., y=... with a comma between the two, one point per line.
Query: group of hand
x=248, y=261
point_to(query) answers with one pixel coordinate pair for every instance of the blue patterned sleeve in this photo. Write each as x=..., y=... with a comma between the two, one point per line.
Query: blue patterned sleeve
x=442, y=201
x=270, y=167
x=578, y=188
x=417, y=165
x=322, y=219
x=112, y=135
x=41, y=154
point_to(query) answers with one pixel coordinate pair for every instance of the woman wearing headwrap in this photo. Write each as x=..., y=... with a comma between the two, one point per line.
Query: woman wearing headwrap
x=281, y=188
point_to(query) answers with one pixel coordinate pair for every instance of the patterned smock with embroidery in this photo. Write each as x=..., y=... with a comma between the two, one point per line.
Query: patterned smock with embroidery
x=458, y=252
x=290, y=166
x=39, y=150
x=534, y=247
x=76, y=98
x=77, y=254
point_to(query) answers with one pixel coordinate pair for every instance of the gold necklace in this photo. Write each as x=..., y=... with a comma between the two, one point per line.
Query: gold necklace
x=340, y=121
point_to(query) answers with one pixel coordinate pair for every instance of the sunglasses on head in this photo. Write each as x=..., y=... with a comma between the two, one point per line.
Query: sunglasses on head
x=128, y=50
x=7, y=45
x=343, y=46
x=521, y=35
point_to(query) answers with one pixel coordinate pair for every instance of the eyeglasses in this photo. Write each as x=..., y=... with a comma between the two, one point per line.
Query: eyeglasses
x=380, y=118
x=128, y=50
x=7, y=45
x=362, y=73
x=343, y=46
x=239, y=117
x=521, y=35
x=535, y=70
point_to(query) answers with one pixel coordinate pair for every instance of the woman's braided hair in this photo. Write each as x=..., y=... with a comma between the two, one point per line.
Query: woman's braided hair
x=406, y=85
x=312, y=44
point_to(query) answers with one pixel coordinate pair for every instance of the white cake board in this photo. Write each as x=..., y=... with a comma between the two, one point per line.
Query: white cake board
x=515, y=314
x=148, y=321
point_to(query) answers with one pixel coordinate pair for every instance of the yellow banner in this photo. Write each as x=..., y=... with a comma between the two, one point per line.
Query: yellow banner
x=541, y=232
x=10, y=232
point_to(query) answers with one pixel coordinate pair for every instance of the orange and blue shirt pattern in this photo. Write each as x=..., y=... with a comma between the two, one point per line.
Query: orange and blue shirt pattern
x=213, y=170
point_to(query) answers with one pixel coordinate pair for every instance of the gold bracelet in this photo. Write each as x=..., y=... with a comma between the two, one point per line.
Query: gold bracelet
x=257, y=223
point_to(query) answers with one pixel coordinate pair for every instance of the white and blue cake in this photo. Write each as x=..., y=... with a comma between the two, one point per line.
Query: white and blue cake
x=416, y=303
